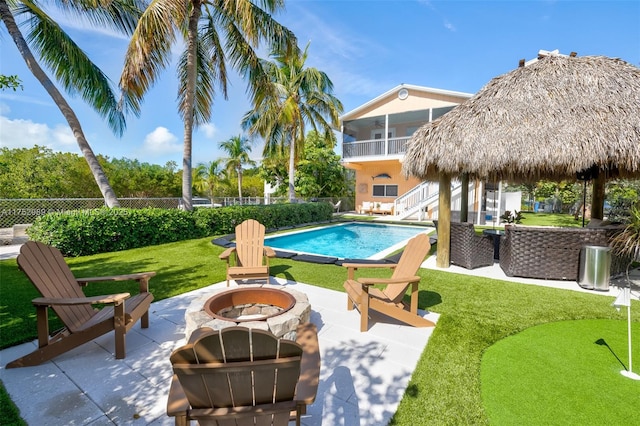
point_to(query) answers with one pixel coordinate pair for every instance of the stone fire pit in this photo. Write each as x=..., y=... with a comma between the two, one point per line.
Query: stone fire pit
x=278, y=309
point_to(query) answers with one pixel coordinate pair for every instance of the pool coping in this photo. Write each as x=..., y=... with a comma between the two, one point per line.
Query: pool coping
x=226, y=242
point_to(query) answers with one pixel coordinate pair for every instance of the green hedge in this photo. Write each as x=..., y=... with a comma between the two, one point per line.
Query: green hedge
x=86, y=232
x=224, y=220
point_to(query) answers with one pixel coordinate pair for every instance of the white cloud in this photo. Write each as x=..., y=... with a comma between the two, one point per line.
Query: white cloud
x=338, y=50
x=448, y=25
x=21, y=133
x=160, y=142
x=19, y=97
x=445, y=22
x=209, y=129
x=81, y=24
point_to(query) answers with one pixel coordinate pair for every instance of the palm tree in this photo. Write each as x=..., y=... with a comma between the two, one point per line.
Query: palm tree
x=238, y=149
x=208, y=177
x=217, y=33
x=296, y=97
x=73, y=69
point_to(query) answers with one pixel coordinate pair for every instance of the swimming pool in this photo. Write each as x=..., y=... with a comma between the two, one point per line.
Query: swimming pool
x=347, y=241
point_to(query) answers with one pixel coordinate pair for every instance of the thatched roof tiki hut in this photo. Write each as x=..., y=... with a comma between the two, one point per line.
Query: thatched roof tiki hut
x=551, y=119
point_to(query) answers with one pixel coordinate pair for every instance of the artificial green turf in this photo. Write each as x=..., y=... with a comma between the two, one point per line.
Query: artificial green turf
x=445, y=387
x=476, y=313
x=562, y=373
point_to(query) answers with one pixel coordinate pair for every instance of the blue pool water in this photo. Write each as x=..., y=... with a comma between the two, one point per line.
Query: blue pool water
x=348, y=241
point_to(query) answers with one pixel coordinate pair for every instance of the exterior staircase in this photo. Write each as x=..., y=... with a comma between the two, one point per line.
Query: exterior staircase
x=421, y=202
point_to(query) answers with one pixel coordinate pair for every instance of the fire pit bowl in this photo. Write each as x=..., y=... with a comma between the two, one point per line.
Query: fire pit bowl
x=278, y=309
x=249, y=304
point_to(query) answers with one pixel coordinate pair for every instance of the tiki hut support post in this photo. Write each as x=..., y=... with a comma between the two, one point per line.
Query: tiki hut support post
x=464, y=197
x=444, y=220
x=597, y=199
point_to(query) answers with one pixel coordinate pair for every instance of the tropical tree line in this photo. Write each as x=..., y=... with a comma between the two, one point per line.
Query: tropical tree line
x=39, y=172
x=569, y=196
x=319, y=174
x=218, y=36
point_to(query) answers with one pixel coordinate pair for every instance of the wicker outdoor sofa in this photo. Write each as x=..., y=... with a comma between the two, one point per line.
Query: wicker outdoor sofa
x=550, y=253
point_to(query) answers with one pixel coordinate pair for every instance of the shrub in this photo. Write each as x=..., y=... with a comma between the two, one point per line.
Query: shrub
x=86, y=232
x=224, y=220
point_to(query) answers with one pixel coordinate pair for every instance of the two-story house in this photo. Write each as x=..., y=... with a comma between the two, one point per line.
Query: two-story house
x=374, y=142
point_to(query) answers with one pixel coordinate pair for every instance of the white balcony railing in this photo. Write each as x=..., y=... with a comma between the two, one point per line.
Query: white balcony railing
x=375, y=147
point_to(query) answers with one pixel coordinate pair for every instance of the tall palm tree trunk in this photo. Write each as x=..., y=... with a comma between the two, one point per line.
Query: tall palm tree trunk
x=96, y=169
x=240, y=184
x=292, y=170
x=189, y=103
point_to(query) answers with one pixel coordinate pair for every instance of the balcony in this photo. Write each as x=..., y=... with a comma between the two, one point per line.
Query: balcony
x=393, y=147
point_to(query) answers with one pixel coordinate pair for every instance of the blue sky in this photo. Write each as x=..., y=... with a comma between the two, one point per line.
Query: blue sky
x=366, y=47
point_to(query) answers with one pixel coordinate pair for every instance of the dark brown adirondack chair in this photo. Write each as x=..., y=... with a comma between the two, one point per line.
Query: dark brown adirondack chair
x=251, y=255
x=46, y=269
x=239, y=376
x=362, y=295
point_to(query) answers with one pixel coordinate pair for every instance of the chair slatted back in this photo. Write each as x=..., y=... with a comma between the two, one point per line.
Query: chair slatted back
x=48, y=272
x=250, y=243
x=237, y=367
x=412, y=257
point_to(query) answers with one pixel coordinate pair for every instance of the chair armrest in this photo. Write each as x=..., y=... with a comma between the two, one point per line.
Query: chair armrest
x=307, y=388
x=225, y=254
x=352, y=267
x=177, y=402
x=141, y=277
x=269, y=252
x=401, y=280
x=369, y=265
x=111, y=298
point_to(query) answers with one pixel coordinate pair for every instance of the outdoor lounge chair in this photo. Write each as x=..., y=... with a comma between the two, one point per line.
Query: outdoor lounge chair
x=468, y=249
x=239, y=376
x=366, y=207
x=251, y=255
x=362, y=295
x=46, y=269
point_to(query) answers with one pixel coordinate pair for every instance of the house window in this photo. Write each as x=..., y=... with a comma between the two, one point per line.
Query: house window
x=411, y=130
x=379, y=133
x=385, y=190
x=439, y=112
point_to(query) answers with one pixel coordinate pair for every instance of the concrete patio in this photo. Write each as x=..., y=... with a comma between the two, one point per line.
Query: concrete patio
x=363, y=375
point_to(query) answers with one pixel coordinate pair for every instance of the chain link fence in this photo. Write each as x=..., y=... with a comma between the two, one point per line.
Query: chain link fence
x=15, y=211
x=25, y=210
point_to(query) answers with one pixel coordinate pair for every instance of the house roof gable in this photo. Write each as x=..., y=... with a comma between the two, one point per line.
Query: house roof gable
x=390, y=94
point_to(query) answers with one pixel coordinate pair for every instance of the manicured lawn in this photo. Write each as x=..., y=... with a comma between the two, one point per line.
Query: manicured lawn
x=446, y=385
x=550, y=219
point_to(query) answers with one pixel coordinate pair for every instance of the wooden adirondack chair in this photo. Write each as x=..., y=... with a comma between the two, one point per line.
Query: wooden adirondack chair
x=238, y=376
x=251, y=255
x=46, y=269
x=362, y=295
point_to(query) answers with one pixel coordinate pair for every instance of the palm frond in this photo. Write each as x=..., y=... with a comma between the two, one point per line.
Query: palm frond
x=71, y=67
x=121, y=15
x=150, y=49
